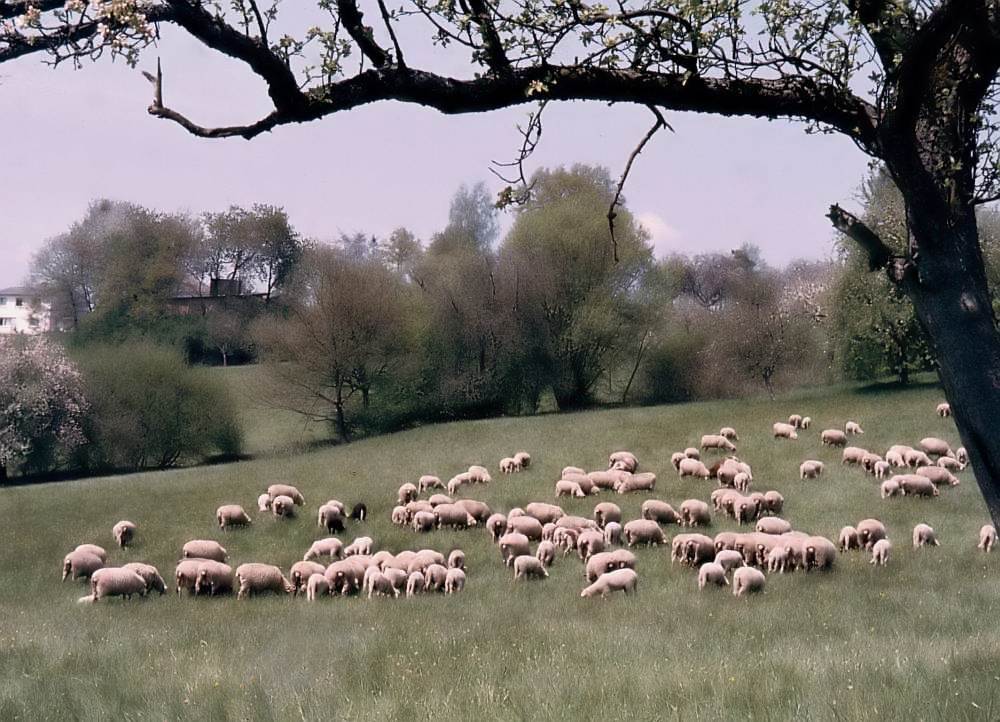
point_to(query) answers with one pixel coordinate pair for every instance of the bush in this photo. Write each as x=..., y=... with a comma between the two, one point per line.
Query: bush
x=150, y=410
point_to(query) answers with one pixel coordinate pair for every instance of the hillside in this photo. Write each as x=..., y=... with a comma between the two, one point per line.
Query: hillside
x=915, y=639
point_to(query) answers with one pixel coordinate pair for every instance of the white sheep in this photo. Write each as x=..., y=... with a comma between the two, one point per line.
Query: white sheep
x=853, y=428
x=283, y=507
x=264, y=502
x=424, y=521
x=833, y=437
x=987, y=537
x=693, y=512
x=962, y=455
x=216, y=577
x=619, y=580
x=637, y=482
x=747, y=580
x=360, y=546
x=676, y=458
x=229, y=515
x=692, y=453
x=572, y=471
x=716, y=441
x=546, y=553
x=811, y=469
x=853, y=455
x=950, y=463
x=795, y=421
x=880, y=552
x=939, y=475
x=256, y=578
x=527, y=566
x=80, y=564
x=729, y=559
x=784, y=431
x=773, y=525
x=773, y=502
x=934, y=446
x=613, y=533
x=729, y=432
x=848, y=539
x=301, y=571
x=623, y=461
x=276, y=490
x=779, y=559
x=523, y=458
x=915, y=458
x=429, y=481
x=456, y=559
x=806, y=422
x=497, y=525
x=149, y=574
x=923, y=535
x=870, y=531
x=415, y=583
x=407, y=493
x=479, y=474
x=711, y=573
x=204, y=549
x=317, y=586
x=916, y=485
x=659, y=511
x=124, y=532
x=513, y=545
x=509, y=465
x=881, y=469
x=693, y=467
x=114, y=582
x=399, y=516
x=454, y=581
x=644, y=531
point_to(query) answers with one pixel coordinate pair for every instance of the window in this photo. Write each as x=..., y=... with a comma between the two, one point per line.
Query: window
x=3, y=300
x=6, y=322
x=18, y=302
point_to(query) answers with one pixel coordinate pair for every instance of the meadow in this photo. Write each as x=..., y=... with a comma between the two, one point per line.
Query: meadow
x=916, y=640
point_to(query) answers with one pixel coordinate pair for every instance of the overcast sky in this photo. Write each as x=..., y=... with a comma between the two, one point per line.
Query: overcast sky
x=73, y=136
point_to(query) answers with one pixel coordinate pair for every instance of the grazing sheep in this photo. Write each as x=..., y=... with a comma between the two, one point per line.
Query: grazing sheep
x=612, y=533
x=479, y=474
x=939, y=475
x=773, y=525
x=806, y=422
x=283, y=507
x=186, y=574
x=779, y=559
x=397, y=578
x=728, y=559
x=729, y=432
x=150, y=575
x=98, y=551
x=962, y=455
x=407, y=493
x=548, y=531
x=301, y=571
x=923, y=535
x=573, y=471
x=456, y=482
x=527, y=525
x=544, y=513
x=607, y=479
x=693, y=467
x=419, y=561
x=399, y=516
x=644, y=531
x=715, y=441
x=80, y=564
x=379, y=585
x=742, y=481
x=331, y=518
x=478, y=510
x=454, y=581
x=589, y=542
x=515, y=512
x=454, y=516
x=345, y=576
x=987, y=537
x=870, y=531
x=124, y=532
x=747, y=580
x=676, y=458
x=565, y=487
x=276, y=490
x=659, y=511
x=579, y=523
x=914, y=458
x=523, y=458
x=819, y=553
x=943, y=409
x=692, y=549
x=795, y=421
x=637, y=482
x=950, y=463
x=853, y=428
x=869, y=460
x=415, y=583
x=231, y=515
x=694, y=512
x=360, y=546
x=509, y=465
x=895, y=458
x=853, y=455
x=934, y=446
x=527, y=566
x=114, y=582
x=848, y=539
x=773, y=502
x=881, y=468
x=606, y=512
x=916, y=485
x=438, y=499
x=784, y=431
x=456, y=559
x=338, y=505
x=833, y=437
x=880, y=552
x=264, y=502
x=513, y=545
x=317, y=586
x=429, y=481
x=204, y=549
x=565, y=538
x=256, y=578
x=623, y=461
x=692, y=453
x=217, y=578
x=546, y=553
x=711, y=573
x=423, y=521
x=619, y=580
x=414, y=506
x=497, y=526
x=746, y=510
x=604, y=562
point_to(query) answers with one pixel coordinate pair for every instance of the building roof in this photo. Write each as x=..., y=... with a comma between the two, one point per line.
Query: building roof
x=20, y=291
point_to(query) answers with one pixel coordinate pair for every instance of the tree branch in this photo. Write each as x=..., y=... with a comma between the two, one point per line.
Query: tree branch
x=880, y=256
x=353, y=20
x=496, y=56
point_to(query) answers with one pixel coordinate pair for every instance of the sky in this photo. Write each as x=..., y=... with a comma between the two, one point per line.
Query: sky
x=73, y=136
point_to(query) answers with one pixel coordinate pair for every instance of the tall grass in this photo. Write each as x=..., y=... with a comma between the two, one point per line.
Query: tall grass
x=917, y=639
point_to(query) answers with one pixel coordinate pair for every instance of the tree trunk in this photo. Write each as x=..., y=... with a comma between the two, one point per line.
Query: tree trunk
x=341, y=420
x=3, y=474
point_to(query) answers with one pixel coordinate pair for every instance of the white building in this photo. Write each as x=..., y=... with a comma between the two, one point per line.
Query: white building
x=23, y=310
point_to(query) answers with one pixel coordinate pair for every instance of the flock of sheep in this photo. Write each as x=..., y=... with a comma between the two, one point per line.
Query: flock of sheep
x=329, y=567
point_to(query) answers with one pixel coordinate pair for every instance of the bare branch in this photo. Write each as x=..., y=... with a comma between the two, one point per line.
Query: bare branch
x=353, y=20
x=880, y=256
x=387, y=19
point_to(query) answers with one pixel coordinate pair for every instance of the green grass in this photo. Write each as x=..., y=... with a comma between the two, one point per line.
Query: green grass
x=916, y=640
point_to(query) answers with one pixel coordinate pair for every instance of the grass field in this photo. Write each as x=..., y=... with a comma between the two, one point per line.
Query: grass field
x=916, y=640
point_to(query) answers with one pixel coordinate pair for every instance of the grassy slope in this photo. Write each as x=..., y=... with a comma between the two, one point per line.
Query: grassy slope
x=918, y=638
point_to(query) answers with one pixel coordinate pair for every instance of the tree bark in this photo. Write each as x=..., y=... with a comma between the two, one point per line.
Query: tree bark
x=3, y=474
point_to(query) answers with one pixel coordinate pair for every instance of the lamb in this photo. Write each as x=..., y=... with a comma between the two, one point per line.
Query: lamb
x=527, y=525
x=711, y=573
x=317, y=586
x=853, y=428
x=880, y=552
x=204, y=549
x=637, y=482
x=80, y=564
x=527, y=566
x=693, y=467
x=513, y=545
x=923, y=535
x=276, y=490
x=881, y=468
x=987, y=537
x=231, y=515
x=694, y=512
x=916, y=485
x=784, y=431
x=264, y=502
x=620, y=580
x=423, y=521
x=565, y=487
x=773, y=525
x=454, y=516
x=415, y=583
x=606, y=512
x=114, y=582
x=747, y=580
x=455, y=483
x=301, y=571
x=479, y=474
x=429, y=481
x=439, y=499
x=935, y=447
x=715, y=441
x=939, y=475
x=728, y=559
x=454, y=581
x=950, y=463
x=544, y=513
x=523, y=458
x=478, y=510
x=729, y=432
x=604, y=562
x=659, y=511
x=806, y=422
x=943, y=409
x=795, y=421
x=676, y=458
x=546, y=553
x=456, y=559
x=914, y=458
x=853, y=455
x=360, y=546
x=150, y=575
x=215, y=577
x=869, y=532
x=773, y=502
x=497, y=526
x=256, y=578
x=124, y=532
x=407, y=493
x=509, y=465
x=613, y=533
x=848, y=539
x=589, y=542
x=819, y=553
x=833, y=437
x=283, y=507
x=623, y=461
x=644, y=531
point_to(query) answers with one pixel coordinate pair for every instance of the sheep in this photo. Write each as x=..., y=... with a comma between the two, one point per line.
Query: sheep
x=607, y=479
x=276, y=490
x=515, y=512
x=478, y=510
x=934, y=446
x=659, y=511
x=380, y=558
x=742, y=481
x=820, y=553
x=853, y=455
x=497, y=526
x=255, y=578
x=565, y=538
x=916, y=485
x=345, y=576
x=513, y=545
x=943, y=409
x=623, y=461
x=527, y=566
x=869, y=532
x=880, y=552
x=962, y=455
x=360, y=546
x=987, y=537
x=204, y=549
x=868, y=461
x=572, y=470
x=114, y=582
x=414, y=506
x=637, y=482
x=330, y=518
x=186, y=575
x=264, y=502
x=216, y=577
x=578, y=523
x=80, y=564
x=950, y=463
x=711, y=573
x=924, y=535
x=301, y=571
x=853, y=428
x=619, y=580
x=939, y=475
x=317, y=586
x=772, y=525
x=456, y=482
x=848, y=539
x=745, y=509
x=456, y=559
x=612, y=533
x=452, y=515
x=747, y=580
x=231, y=515
x=606, y=512
x=795, y=421
x=895, y=458
x=150, y=575
x=604, y=562
x=728, y=559
x=399, y=516
x=479, y=474
x=523, y=458
x=881, y=468
x=544, y=513
x=914, y=458
x=773, y=502
x=568, y=488
x=438, y=499
x=509, y=465
x=415, y=583
x=423, y=521
x=429, y=481
x=692, y=453
x=779, y=559
x=283, y=507
x=454, y=581
x=693, y=467
x=715, y=441
x=644, y=531
x=378, y=584
x=833, y=437
x=123, y=533
x=407, y=493
x=527, y=525
x=729, y=432
x=692, y=549
x=589, y=542
x=422, y=559
x=694, y=512
x=784, y=431
x=546, y=553
x=676, y=458
x=806, y=422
